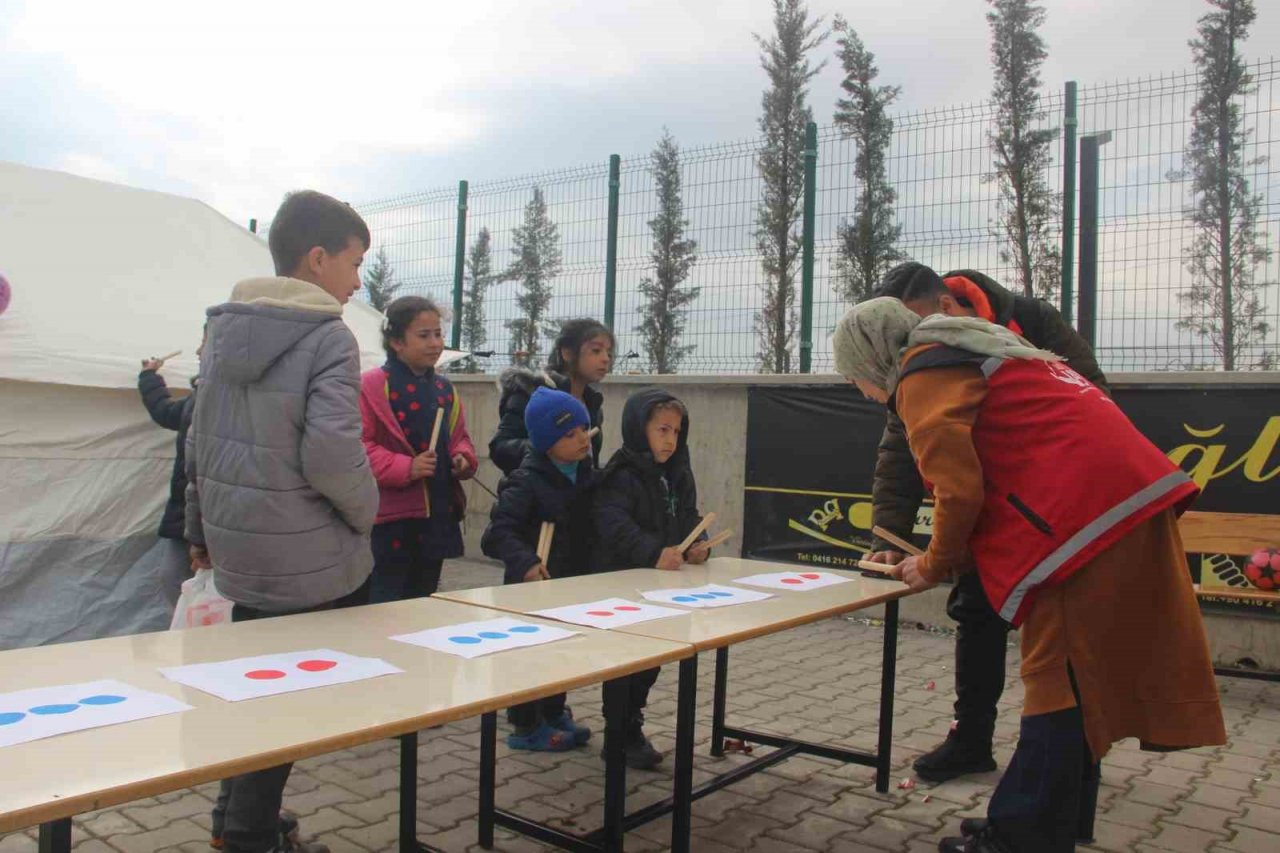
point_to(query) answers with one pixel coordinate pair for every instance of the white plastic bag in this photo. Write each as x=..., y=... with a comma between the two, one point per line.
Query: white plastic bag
x=199, y=604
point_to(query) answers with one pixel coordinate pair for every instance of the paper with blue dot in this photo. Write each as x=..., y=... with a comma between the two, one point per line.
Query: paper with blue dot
x=474, y=639
x=711, y=595
x=42, y=712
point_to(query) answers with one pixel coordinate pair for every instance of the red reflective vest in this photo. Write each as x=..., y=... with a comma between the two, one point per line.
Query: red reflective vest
x=1066, y=474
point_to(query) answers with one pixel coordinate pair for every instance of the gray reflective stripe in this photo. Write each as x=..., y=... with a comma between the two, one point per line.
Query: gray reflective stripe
x=991, y=365
x=1088, y=534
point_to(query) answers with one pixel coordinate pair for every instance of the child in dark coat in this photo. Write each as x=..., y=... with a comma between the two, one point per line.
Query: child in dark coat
x=645, y=505
x=552, y=484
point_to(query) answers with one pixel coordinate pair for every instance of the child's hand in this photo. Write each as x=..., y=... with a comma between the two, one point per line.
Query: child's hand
x=670, y=559
x=889, y=558
x=698, y=553
x=424, y=465
x=460, y=465
x=537, y=573
x=199, y=558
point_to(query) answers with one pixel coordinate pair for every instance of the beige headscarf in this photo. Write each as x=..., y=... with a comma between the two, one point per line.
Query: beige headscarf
x=870, y=338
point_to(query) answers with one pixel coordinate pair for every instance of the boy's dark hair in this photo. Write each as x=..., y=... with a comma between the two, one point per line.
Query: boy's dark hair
x=672, y=405
x=573, y=334
x=925, y=288
x=903, y=277
x=307, y=219
x=400, y=315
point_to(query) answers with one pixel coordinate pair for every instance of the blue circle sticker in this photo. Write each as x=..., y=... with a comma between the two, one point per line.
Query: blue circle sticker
x=719, y=594
x=8, y=718
x=492, y=635
x=524, y=629
x=684, y=598
x=53, y=709
x=464, y=641
x=104, y=699
x=704, y=595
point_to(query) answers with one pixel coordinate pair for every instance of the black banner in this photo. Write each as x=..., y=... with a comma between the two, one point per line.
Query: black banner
x=811, y=454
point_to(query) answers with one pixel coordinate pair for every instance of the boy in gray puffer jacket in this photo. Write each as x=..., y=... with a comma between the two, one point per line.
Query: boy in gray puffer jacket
x=280, y=497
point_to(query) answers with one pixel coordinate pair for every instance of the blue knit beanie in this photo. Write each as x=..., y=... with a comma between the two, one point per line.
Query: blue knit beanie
x=551, y=415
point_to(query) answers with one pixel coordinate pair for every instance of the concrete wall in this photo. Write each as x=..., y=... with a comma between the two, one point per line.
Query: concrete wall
x=718, y=440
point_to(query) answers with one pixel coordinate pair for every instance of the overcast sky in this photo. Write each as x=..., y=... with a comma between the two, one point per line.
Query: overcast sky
x=237, y=102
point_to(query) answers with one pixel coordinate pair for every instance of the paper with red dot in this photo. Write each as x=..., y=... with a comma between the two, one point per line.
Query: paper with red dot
x=801, y=581
x=268, y=675
x=609, y=613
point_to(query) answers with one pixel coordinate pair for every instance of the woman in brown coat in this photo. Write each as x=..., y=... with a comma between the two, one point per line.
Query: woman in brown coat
x=1068, y=515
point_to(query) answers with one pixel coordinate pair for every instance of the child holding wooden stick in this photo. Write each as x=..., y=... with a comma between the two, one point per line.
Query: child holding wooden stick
x=646, y=506
x=540, y=528
x=411, y=416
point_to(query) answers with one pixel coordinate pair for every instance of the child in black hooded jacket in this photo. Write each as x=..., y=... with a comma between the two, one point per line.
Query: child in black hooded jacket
x=646, y=503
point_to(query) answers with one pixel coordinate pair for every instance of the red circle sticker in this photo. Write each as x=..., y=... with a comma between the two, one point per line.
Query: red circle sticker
x=792, y=580
x=264, y=674
x=810, y=575
x=627, y=607
x=317, y=665
x=599, y=612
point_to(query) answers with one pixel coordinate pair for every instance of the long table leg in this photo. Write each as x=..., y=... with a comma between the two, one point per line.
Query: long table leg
x=488, y=772
x=409, y=842
x=686, y=706
x=717, y=702
x=616, y=694
x=55, y=836
x=888, y=677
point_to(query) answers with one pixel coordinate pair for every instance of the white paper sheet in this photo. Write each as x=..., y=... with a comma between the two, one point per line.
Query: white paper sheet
x=473, y=639
x=42, y=712
x=609, y=613
x=268, y=675
x=793, y=580
x=711, y=595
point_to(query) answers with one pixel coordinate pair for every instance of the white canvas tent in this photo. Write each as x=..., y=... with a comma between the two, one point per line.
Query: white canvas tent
x=102, y=276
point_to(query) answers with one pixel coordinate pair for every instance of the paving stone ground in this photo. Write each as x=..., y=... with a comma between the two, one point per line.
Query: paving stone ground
x=819, y=682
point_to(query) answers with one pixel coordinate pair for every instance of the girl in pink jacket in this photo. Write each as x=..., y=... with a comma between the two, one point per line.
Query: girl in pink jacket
x=398, y=404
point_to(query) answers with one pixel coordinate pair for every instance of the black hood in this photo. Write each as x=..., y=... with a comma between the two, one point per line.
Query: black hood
x=635, y=417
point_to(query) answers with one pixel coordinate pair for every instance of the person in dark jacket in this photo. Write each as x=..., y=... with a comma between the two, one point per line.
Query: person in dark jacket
x=553, y=484
x=171, y=558
x=646, y=503
x=580, y=358
x=897, y=492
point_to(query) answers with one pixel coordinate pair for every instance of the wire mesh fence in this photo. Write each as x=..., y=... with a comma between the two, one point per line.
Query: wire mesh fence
x=939, y=163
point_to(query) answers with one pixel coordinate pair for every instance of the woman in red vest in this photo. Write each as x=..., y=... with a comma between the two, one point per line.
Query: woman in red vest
x=1068, y=515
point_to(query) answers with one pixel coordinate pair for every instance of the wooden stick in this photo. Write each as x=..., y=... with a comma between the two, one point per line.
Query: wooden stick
x=173, y=354
x=542, y=540
x=593, y=432
x=878, y=568
x=544, y=544
x=720, y=538
x=696, y=532
x=906, y=546
x=435, y=430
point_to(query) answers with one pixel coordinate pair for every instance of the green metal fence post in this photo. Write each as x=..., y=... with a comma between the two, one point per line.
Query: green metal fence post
x=459, y=265
x=611, y=247
x=806, y=243
x=1069, y=124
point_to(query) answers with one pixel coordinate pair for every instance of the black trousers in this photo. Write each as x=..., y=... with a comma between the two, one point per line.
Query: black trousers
x=1048, y=797
x=246, y=816
x=981, y=649
x=638, y=686
x=532, y=714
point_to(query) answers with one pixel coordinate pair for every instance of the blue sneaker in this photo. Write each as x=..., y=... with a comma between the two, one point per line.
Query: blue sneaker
x=581, y=734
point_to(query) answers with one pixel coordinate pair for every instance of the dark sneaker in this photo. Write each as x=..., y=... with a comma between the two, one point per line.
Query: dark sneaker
x=985, y=841
x=289, y=842
x=639, y=751
x=953, y=758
